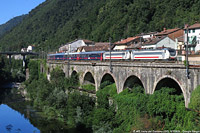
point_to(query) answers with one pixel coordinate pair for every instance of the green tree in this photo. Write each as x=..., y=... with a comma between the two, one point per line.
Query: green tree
x=195, y=99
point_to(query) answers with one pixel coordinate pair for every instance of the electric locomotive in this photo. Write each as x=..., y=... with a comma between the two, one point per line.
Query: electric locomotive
x=154, y=54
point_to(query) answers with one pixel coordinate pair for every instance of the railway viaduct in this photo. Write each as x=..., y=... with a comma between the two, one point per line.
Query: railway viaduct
x=151, y=76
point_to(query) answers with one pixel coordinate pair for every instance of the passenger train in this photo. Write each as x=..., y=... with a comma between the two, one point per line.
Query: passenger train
x=153, y=54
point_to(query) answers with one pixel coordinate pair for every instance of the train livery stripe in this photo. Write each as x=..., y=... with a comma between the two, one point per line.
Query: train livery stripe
x=114, y=57
x=147, y=57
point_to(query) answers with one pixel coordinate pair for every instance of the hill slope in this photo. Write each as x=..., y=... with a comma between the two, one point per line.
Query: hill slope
x=10, y=24
x=56, y=22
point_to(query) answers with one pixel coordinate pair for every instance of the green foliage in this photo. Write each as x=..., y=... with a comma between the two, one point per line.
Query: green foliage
x=130, y=110
x=58, y=78
x=104, y=84
x=102, y=119
x=83, y=103
x=163, y=104
x=13, y=72
x=33, y=66
x=131, y=106
x=104, y=94
x=10, y=24
x=89, y=87
x=195, y=99
x=57, y=22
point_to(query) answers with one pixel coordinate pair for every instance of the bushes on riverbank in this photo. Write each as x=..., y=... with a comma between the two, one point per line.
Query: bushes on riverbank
x=13, y=72
x=130, y=110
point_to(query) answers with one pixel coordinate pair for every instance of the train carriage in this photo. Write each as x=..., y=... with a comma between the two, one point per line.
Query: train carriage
x=117, y=55
x=153, y=54
x=94, y=55
x=57, y=56
x=72, y=56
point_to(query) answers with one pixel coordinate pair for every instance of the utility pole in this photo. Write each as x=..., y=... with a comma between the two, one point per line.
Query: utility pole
x=110, y=55
x=187, y=62
x=68, y=63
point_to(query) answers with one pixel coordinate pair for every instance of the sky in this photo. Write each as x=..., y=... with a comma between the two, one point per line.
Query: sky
x=12, y=8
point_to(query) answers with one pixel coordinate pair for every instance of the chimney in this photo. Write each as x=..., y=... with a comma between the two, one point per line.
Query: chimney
x=186, y=25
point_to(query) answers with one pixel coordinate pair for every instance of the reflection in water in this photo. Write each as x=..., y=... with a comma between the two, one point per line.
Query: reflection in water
x=12, y=121
x=15, y=111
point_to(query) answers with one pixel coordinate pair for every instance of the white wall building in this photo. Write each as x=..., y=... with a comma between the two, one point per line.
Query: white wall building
x=30, y=48
x=147, y=35
x=160, y=42
x=73, y=46
x=193, y=37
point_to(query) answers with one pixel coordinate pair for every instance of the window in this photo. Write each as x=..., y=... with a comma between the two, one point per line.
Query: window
x=193, y=31
x=189, y=31
x=185, y=31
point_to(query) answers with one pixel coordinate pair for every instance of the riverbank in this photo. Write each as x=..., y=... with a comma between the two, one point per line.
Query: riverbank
x=16, y=103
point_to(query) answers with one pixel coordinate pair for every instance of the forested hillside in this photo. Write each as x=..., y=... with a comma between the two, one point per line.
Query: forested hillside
x=57, y=22
x=10, y=24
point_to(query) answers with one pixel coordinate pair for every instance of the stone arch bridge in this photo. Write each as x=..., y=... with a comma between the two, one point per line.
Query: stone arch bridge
x=150, y=75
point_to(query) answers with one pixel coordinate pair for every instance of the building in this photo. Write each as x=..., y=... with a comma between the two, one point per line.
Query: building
x=30, y=48
x=171, y=33
x=180, y=45
x=193, y=37
x=74, y=45
x=147, y=35
x=163, y=41
x=124, y=44
x=99, y=46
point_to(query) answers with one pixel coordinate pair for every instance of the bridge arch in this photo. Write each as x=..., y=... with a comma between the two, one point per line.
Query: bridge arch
x=88, y=78
x=132, y=81
x=169, y=81
x=108, y=77
x=75, y=75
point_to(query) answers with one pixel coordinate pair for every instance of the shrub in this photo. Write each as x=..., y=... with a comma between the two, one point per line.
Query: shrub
x=89, y=87
x=195, y=99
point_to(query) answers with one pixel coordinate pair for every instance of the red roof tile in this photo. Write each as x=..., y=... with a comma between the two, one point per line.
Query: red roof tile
x=194, y=26
x=102, y=43
x=167, y=31
x=87, y=41
x=153, y=41
x=127, y=40
x=94, y=48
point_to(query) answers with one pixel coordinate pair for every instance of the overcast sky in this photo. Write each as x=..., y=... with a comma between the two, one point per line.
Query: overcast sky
x=12, y=8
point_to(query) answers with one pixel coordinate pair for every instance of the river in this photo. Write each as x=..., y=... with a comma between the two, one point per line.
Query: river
x=18, y=116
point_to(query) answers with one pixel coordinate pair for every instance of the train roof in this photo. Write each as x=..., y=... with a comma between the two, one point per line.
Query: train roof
x=154, y=49
x=117, y=51
x=92, y=52
x=56, y=54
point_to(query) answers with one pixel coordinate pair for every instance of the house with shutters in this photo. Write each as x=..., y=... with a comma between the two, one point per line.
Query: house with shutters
x=193, y=37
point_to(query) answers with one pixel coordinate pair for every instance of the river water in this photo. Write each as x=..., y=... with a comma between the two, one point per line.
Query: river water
x=18, y=116
x=13, y=121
